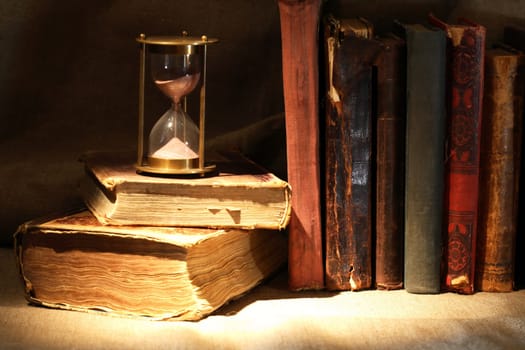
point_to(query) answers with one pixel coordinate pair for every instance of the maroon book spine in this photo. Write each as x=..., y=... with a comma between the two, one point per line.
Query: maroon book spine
x=299, y=36
x=466, y=52
x=390, y=192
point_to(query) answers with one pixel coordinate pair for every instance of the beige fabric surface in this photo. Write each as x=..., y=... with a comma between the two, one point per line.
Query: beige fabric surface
x=270, y=317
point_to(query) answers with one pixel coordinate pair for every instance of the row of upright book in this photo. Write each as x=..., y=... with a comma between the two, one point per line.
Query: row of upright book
x=419, y=149
x=422, y=155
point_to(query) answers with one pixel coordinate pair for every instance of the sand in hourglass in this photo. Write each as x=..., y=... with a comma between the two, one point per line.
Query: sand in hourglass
x=176, y=89
x=175, y=149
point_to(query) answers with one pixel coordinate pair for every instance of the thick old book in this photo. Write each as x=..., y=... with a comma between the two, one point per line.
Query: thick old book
x=390, y=162
x=350, y=56
x=466, y=54
x=241, y=195
x=424, y=162
x=73, y=262
x=514, y=36
x=299, y=21
x=500, y=169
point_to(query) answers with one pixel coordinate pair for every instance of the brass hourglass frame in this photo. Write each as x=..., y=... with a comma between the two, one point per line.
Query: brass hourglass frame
x=179, y=45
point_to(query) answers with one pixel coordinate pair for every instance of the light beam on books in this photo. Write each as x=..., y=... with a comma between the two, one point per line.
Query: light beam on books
x=177, y=67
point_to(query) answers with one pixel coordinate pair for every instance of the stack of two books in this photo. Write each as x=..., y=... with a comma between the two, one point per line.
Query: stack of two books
x=164, y=248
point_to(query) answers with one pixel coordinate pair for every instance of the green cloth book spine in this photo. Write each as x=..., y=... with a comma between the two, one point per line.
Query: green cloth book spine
x=425, y=144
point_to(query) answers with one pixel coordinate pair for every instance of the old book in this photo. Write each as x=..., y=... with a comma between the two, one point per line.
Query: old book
x=514, y=36
x=500, y=169
x=350, y=56
x=241, y=195
x=299, y=21
x=390, y=162
x=466, y=54
x=424, y=168
x=74, y=262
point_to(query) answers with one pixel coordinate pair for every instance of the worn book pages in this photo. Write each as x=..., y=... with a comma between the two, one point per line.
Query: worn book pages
x=241, y=195
x=73, y=262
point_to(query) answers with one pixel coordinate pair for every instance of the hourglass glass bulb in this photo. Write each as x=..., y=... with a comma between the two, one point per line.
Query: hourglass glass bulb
x=174, y=136
x=179, y=87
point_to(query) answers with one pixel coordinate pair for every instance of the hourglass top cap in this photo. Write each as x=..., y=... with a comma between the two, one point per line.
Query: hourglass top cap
x=170, y=40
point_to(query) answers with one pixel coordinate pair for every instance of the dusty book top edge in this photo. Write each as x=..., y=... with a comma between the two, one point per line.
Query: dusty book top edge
x=112, y=169
x=84, y=222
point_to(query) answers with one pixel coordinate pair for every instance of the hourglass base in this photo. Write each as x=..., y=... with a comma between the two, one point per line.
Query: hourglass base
x=162, y=166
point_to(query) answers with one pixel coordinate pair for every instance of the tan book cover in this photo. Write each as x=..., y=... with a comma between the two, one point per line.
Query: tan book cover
x=500, y=169
x=73, y=262
x=241, y=195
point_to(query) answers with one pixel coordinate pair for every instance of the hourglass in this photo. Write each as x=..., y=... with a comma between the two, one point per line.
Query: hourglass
x=175, y=144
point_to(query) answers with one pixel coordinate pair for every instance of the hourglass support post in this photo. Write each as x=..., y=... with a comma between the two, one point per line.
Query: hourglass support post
x=185, y=98
x=142, y=77
x=202, y=111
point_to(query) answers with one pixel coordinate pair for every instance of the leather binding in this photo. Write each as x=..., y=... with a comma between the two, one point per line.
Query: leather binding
x=348, y=145
x=499, y=169
x=465, y=51
x=390, y=148
x=299, y=21
x=514, y=36
x=424, y=158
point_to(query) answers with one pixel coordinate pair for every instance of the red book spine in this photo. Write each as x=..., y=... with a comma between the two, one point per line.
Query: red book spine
x=299, y=37
x=466, y=48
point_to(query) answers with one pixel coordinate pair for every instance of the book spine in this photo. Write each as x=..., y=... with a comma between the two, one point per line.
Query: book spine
x=465, y=51
x=499, y=169
x=299, y=36
x=391, y=99
x=348, y=186
x=425, y=142
x=515, y=37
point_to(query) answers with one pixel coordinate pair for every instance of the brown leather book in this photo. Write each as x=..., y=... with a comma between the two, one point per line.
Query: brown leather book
x=390, y=139
x=350, y=56
x=299, y=36
x=500, y=168
x=514, y=36
x=466, y=48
